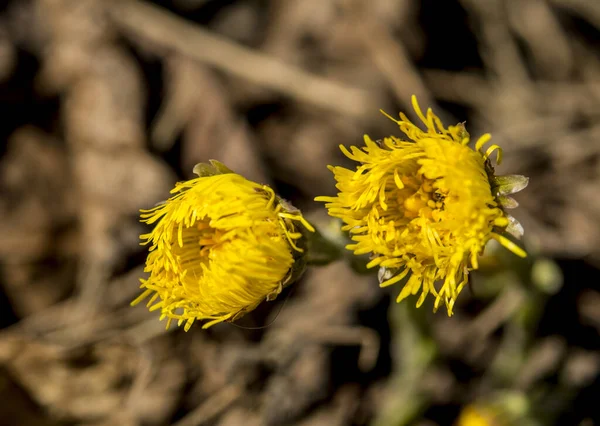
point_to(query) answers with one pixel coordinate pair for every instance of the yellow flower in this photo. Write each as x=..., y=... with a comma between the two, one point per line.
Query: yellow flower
x=425, y=206
x=477, y=416
x=221, y=245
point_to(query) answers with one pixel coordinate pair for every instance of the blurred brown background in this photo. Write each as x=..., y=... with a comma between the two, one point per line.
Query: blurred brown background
x=105, y=104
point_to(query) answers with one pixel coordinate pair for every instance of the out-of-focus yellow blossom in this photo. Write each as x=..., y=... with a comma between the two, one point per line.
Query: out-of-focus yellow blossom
x=425, y=207
x=221, y=245
x=477, y=416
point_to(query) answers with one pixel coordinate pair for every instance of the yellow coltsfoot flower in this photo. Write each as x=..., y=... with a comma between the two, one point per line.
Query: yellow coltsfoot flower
x=499, y=409
x=221, y=245
x=478, y=416
x=425, y=207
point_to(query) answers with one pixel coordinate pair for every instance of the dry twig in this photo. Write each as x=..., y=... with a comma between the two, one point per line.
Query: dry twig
x=171, y=32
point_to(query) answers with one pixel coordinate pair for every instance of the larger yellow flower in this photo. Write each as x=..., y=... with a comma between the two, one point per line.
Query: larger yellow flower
x=425, y=206
x=221, y=245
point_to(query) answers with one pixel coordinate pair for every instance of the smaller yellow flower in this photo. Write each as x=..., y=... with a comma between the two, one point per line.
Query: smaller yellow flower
x=478, y=416
x=221, y=245
x=425, y=207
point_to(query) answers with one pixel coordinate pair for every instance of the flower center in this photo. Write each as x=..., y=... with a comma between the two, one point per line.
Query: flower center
x=421, y=198
x=198, y=241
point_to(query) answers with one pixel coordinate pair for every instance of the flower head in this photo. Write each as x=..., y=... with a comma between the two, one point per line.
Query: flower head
x=221, y=245
x=472, y=415
x=425, y=207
